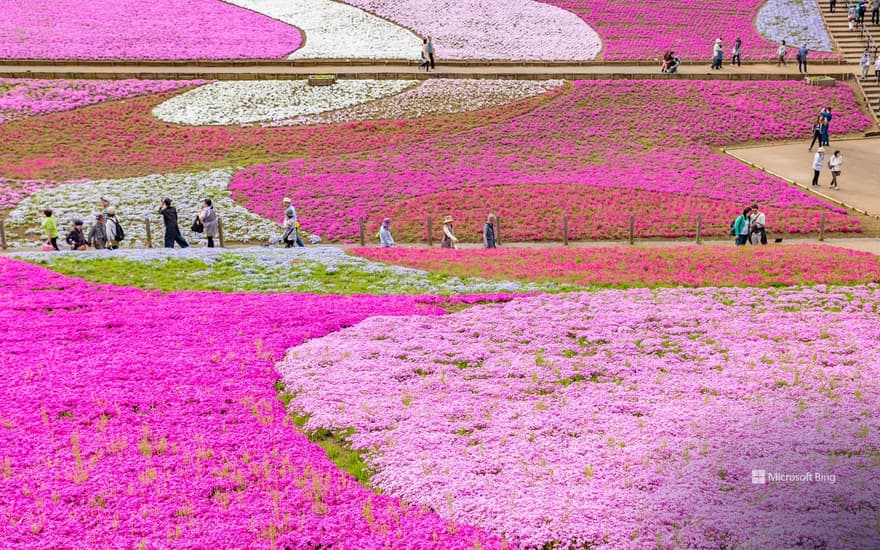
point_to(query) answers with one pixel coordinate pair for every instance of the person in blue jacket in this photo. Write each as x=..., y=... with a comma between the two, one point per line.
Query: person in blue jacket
x=742, y=227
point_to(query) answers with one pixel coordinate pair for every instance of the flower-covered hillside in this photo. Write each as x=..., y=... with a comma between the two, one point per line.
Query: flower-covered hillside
x=140, y=29
x=145, y=420
x=620, y=419
x=649, y=148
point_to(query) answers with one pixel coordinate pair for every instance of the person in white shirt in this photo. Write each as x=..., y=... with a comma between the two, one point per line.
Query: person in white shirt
x=385, y=239
x=780, y=54
x=817, y=165
x=834, y=165
x=877, y=69
x=758, y=220
x=866, y=61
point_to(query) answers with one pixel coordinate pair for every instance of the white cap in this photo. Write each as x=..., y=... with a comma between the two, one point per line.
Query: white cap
x=286, y=199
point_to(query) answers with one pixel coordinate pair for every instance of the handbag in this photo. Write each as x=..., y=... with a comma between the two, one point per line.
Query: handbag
x=197, y=226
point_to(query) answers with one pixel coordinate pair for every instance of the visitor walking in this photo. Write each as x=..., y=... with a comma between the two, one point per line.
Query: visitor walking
x=758, y=221
x=817, y=165
x=172, y=229
x=875, y=12
x=877, y=68
x=50, y=228
x=852, y=16
x=831, y=5
x=489, y=232
x=862, y=7
x=385, y=238
x=717, y=55
x=818, y=126
x=105, y=206
x=208, y=218
x=742, y=227
x=426, y=56
x=97, y=237
x=780, y=54
x=76, y=238
x=431, y=51
x=736, y=58
x=291, y=222
x=865, y=62
x=449, y=240
x=114, y=230
x=802, y=59
x=834, y=165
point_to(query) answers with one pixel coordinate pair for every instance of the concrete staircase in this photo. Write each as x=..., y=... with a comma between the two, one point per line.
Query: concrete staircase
x=852, y=43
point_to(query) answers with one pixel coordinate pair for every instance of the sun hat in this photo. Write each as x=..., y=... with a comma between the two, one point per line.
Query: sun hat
x=286, y=199
x=448, y=219
x=820, y=150
x=99, y=215
x=111, y=212
x=77, y=222
x=386, y=221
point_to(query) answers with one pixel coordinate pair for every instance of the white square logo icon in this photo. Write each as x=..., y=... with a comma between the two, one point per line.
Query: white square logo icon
x=759, y=477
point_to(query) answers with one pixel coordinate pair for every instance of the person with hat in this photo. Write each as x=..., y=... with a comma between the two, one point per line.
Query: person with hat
x=97, y=237
x=50, y=228
x=105, y=207
x=385, y=238
x=291, y=225
x=717, y=54
x=76, y=238
x=449, y=240
x=802, y=58
x=172, y=229
x=818, y=158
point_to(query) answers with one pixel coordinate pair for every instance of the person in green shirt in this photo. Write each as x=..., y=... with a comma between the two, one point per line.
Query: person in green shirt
x=50, y=228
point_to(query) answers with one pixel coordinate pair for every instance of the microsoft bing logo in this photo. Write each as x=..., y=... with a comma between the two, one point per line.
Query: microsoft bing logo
x=759, y=477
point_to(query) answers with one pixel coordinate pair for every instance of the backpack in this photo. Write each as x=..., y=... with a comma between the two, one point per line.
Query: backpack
x=120, y=233
x=733, y=228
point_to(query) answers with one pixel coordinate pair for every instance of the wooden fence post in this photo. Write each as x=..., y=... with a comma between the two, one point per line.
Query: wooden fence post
x=497, y=230
x=632, y=223
x=361, y=230
x=220, y=231
x=149, y=233
x=699, y=227
x=2, y=235
x=428, y=228
x=565, y=230
x=822, y=227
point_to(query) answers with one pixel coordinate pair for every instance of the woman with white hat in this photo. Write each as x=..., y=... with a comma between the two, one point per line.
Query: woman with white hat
x=385, y=238
x=449, y=239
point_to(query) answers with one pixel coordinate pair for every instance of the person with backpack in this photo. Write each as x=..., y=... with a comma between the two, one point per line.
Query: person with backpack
x=742, y=227
x=291, y=224
x=114, y=230
x=172, y=229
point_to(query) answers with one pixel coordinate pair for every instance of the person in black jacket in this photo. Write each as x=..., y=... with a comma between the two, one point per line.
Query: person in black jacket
x=77, y=238
x=172, y=230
